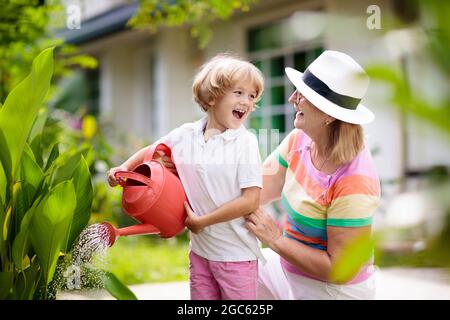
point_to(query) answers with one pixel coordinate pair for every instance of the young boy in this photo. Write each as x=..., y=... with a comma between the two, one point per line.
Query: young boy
x=219, y=165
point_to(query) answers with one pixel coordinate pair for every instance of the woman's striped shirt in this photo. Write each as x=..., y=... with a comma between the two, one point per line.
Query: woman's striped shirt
x=314, y=200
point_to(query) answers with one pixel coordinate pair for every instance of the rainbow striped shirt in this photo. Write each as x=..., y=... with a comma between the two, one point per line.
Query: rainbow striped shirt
x=314, y=200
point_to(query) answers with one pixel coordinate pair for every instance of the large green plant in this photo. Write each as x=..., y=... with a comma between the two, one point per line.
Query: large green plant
x=45, y=199
x=26, y=28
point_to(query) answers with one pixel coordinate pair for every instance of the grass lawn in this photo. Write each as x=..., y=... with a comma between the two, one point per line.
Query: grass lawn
x=143, y=259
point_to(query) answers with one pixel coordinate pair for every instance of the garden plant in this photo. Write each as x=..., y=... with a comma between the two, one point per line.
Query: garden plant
x=45, y=197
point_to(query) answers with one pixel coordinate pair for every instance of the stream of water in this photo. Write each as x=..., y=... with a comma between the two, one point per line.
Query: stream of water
x=86, y=266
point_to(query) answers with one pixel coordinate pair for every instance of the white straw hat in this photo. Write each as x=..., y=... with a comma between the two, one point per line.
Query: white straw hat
x=335, y=83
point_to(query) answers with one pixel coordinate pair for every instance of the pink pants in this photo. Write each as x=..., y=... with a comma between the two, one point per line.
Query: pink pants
x=219, y=280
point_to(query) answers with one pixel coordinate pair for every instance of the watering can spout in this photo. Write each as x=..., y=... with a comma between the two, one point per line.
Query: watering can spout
x=114, y=233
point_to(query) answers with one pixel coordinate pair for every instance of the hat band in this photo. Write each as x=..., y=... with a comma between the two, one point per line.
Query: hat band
x=321, y=88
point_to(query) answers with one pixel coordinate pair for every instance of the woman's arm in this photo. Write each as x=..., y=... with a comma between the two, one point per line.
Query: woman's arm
x=239, y=207
x=274, y=176
x=314, y=262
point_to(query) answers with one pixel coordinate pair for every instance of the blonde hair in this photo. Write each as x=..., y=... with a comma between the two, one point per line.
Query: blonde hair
x=219, y=74
x=346, y=140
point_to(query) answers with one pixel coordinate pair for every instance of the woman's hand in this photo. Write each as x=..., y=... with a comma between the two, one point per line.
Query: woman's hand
x=111, y=175
x=264, y=227
x=192, y=222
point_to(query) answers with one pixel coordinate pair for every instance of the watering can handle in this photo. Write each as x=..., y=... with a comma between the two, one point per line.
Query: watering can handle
x=159, y=147
x=134, y=176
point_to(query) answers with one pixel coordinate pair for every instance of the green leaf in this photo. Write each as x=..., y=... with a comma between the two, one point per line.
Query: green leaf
x=65, y=165
x=351, y=258
x=5, y=160
x=85, y=195
x=50, y=225
x=39, y=123
x=54, y=154
x=22, y=202
x=21, y=242
x=117, y=289
x=36, y=148
x=3, y=186
x=383, y=72
x=20, y=247
x=31, y=177
x=22, y=105
x=31, y=171
x=27, y=280
x=31, y=275
x=6, y=282
x=89, y=155
x=3, y=252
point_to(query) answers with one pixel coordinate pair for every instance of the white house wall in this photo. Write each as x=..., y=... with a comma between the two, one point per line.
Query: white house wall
x=427, y=146
x=117, y=78
x=125, y=76
x=176, y=64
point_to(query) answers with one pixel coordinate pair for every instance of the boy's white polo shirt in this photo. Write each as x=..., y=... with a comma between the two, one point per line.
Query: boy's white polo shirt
x=213, y=173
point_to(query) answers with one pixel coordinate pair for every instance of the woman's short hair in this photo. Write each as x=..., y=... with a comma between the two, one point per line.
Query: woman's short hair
x=346, y=140
x=219, y=74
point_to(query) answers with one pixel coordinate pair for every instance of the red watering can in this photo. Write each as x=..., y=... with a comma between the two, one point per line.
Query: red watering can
x=153, y=195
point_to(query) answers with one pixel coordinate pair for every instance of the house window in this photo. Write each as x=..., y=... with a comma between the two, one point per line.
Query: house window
x=93, y=91
x=272, y=48
x=78, y=92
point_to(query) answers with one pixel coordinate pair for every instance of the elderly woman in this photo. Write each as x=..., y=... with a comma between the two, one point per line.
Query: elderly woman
x=328, y=185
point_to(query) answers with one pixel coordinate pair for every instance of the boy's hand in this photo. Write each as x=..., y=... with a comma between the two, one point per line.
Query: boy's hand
x=167, y=162
x=111, y=178
x=192, y=222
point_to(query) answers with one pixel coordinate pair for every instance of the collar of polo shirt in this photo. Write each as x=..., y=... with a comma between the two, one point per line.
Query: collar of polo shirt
x=229, y=134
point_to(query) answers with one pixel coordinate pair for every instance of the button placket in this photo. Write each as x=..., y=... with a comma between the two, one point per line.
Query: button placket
x=207, y=155
x=199, y=165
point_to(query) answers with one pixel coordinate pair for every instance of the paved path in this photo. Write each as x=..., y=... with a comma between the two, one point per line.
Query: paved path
x=413, y=284
x=393, y=284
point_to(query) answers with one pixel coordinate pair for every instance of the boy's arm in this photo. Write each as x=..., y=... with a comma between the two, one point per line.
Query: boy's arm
x=247, y=203
x=139, y=157
x=135, y=159
x=132, y=162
